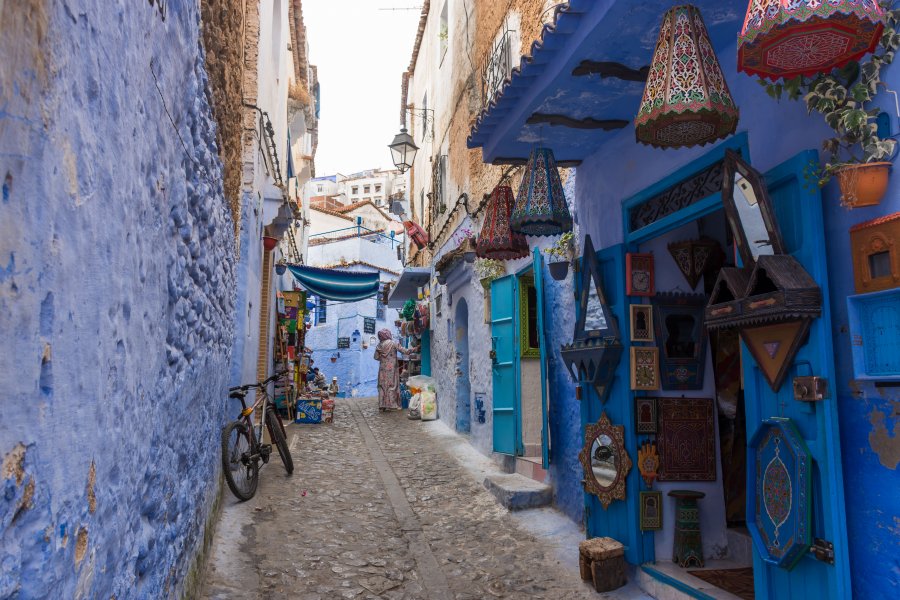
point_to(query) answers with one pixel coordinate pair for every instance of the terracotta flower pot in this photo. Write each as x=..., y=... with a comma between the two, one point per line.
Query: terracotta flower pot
x=269, y=243
x=863, y=184
x=559, y=270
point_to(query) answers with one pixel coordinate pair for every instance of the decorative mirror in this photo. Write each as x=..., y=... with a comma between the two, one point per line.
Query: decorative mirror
x=682, y=340
x=605, y=461
x=596, y=348
x=750, y=213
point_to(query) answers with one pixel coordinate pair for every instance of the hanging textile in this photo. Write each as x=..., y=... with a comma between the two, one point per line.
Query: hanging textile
x=540, y=207
x=496, y=240
x=340, y=286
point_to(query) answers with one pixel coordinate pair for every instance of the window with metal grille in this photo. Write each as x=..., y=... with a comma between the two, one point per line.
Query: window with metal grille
x=439, y=185
x=497, y=68
x=322, y=311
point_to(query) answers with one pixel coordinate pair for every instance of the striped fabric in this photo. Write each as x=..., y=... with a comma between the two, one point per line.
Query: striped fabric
x=340, y=286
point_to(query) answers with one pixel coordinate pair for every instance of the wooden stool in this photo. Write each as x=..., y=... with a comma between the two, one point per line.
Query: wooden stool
x=687, y=550
x=602, y=560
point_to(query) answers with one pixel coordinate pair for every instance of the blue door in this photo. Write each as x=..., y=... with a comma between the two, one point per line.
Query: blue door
x=463, y=385
x=538, y=268
x=799, y=210
x=504, y=358
x=619, y=520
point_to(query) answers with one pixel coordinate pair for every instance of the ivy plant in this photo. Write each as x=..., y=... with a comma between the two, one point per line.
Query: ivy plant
x=562, y=248
x=841, y=97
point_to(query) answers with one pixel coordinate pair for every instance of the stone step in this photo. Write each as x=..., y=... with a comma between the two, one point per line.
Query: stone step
x=531, y=469
x=517, y=492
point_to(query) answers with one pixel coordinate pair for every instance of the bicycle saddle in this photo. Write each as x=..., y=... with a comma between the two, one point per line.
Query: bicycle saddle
x=237, y=394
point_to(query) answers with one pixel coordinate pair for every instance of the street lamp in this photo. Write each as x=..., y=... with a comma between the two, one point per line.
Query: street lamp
x=403, y=150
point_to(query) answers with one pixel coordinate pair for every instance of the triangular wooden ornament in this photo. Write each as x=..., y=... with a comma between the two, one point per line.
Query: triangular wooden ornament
x=775, y=346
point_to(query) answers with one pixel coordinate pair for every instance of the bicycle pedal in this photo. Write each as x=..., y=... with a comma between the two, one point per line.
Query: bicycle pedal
x=265, y=450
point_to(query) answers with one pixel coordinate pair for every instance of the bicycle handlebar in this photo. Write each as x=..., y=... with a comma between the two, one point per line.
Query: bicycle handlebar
x=258, y=384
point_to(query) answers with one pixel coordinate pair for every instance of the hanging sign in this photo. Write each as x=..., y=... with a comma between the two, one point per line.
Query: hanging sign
x=369, y=325
x=343, y=342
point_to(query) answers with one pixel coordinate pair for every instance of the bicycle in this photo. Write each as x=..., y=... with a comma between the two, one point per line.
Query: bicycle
x=242, y=446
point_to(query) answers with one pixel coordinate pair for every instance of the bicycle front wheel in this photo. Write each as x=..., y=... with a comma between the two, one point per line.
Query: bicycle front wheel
x=240, y=468
x=276, y=430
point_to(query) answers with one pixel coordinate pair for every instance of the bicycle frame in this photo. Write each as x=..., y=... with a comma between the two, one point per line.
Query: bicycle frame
x=261, y=403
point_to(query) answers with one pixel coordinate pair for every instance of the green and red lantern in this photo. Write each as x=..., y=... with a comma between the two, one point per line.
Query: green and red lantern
x=790, y=38
x=686, y=100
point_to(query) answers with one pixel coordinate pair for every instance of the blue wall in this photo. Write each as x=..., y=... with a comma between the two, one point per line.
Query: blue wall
x=356, y=368
x=870, y=435
x=116, y=299
x=565, y=409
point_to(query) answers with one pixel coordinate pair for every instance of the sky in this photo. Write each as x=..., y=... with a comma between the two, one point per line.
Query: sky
x=361, y=53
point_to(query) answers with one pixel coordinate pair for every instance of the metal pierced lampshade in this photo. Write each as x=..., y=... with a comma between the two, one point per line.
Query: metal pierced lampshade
x=686, y=101
x=540, y=207
x=496, y=240
x=788, y=38
x=696, y=258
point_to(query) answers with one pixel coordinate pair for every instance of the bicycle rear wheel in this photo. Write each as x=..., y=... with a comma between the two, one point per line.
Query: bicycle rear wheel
x=276, y=430
x=240, y=470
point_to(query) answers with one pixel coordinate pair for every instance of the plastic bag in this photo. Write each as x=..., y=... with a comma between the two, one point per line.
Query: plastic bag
x=414, y=407
x=421, y=383
x=428, y=401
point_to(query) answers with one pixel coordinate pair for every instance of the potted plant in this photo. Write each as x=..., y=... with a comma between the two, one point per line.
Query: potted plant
x=269, y=242
x=859, y=158
x=465, y=241
x=560, y=254
x=280, y=267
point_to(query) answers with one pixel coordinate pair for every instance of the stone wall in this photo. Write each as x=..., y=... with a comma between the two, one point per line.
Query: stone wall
x=223, y=24
x=116, y=298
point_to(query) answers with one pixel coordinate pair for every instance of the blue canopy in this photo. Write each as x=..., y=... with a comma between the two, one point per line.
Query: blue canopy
x=340, y=286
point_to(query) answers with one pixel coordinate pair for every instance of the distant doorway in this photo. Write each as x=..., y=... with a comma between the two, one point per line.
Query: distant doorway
x=463, y=385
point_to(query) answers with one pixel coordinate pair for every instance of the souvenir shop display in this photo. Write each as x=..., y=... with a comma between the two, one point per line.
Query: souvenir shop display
x=651, y=514
x=687, y=548
x=775, y=310
x=596, y=347
x=876, y=255
x=686, y=100
x=604, y=460
x=639, y=274
x=682, y=339
x=696, y=258
x=780, y=511
x=648, y=462
x=784, y=39
x=644, y=368
x=686, y=439
x=496, y=240
x=645, y=414
x=540, y=207
x=641, y=323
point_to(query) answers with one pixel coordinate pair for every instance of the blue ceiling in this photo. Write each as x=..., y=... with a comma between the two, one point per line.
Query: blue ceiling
x=620, y=31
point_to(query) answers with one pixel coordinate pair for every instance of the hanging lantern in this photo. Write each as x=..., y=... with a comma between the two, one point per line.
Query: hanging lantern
x=696, y=258
x=540, y=207
x=789, y=38
x=496, y=240
x=686, y=101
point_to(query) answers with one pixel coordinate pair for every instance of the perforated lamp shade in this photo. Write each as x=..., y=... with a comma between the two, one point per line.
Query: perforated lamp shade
x=540, y=207
x=788, y=38
x=496, y=240
x=686, y=100
x=403, y=150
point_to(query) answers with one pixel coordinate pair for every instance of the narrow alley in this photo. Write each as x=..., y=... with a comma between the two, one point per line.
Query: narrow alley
x=378, y=508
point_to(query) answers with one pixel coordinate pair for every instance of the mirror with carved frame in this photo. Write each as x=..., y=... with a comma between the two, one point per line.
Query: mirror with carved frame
x=605, y=461
x=749, y=210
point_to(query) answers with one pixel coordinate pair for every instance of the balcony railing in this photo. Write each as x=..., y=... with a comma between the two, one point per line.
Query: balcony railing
x=497, y=68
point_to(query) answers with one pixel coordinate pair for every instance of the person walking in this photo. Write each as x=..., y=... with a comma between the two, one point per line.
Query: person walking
x=388, y=371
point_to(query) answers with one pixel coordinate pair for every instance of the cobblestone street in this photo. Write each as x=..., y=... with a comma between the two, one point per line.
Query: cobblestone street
x=377, y=508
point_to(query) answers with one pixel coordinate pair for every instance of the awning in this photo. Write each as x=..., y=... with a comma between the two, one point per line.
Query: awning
x=332, y=284
x=407, y=287
x=583, y=80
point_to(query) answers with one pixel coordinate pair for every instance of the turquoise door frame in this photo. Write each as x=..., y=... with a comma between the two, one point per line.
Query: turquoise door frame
x=505, y=410
x=538, y=268
x=799, y=211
